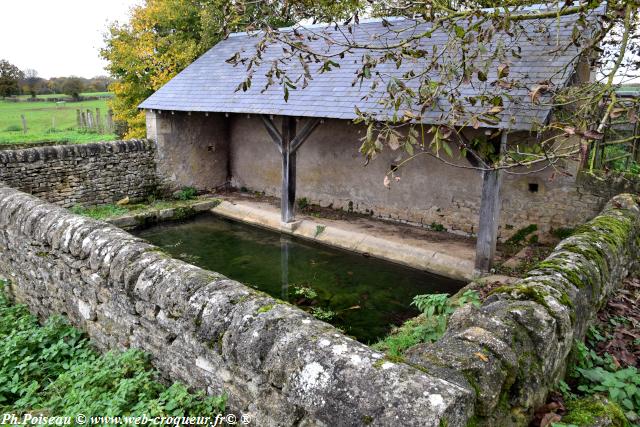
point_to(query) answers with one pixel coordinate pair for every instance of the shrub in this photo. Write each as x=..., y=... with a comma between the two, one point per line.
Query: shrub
x=186, y=193
x=521, y=235
x=436, y=226
x=428, y=327
x=302, y=203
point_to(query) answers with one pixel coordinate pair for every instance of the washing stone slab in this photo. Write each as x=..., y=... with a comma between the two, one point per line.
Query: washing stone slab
x=342, y=235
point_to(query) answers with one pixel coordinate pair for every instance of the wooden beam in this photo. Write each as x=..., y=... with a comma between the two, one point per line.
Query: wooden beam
x=489, y=214
x=273, y=131
x=300, y=138
x=288, y=198
x=288, y=143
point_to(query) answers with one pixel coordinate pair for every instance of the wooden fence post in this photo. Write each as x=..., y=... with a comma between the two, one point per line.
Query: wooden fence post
x=98, y=121
x=89, y=120
x=24, y=123
x=110, y=120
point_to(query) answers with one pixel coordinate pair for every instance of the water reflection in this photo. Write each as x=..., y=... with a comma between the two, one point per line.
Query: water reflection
x=362, y=296
x=284, y=266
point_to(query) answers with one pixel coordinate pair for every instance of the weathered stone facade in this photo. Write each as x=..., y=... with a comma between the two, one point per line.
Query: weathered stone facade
x=88, y=174
x=207, y=151
x=284, y=367
x=193, y=149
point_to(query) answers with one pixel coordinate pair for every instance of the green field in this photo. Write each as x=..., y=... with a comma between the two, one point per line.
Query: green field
x=62, y=95
x=48, y=122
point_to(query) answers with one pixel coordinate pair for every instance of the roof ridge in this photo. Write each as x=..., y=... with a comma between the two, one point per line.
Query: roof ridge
x=536, y=7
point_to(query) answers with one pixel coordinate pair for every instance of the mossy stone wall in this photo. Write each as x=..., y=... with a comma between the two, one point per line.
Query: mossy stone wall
x=513, y=348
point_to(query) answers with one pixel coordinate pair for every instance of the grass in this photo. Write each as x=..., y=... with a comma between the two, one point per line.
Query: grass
x=62, y=95
x=100, y=212
x=182, y=198
x=54, y=370
x=48, y=121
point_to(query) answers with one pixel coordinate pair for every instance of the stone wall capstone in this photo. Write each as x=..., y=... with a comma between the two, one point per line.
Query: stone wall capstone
x=87, y=174
x=525, y=331
x=276, y=362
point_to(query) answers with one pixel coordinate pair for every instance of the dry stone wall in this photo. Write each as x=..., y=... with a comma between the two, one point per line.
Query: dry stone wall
x=494, y=365
x=88, y=174
x=278, y=364
x=513, y=349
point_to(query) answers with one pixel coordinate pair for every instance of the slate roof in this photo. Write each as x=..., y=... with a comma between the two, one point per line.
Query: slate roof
x=209, y=83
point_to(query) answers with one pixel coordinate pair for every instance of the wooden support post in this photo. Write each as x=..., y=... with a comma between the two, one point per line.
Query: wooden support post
x=288, y=143
x=489, y=214
x=288, y=199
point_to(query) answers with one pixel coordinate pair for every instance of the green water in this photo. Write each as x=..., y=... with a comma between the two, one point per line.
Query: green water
x=362, y=296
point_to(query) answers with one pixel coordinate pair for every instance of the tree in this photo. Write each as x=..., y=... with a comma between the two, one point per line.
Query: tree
x=31, y=81
x=73, y=87
x=162, y=37
x=10, y=76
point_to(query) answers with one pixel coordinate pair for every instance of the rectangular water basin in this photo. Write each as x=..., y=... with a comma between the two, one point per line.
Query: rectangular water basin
x=363, y=296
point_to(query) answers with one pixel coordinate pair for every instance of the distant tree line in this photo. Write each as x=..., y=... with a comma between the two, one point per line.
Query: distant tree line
x=14, y=81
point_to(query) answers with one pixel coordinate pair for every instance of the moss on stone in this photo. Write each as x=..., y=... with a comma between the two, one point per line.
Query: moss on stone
x=219, y=342
x=558, y=265
x=265, y=308
x=474, y=421
x=378, y=363
x=534, y=293
x=395, y=359
x=183, y=212
x=588, y=410
x=367, y=420
x=530, y=292
x=471, y=379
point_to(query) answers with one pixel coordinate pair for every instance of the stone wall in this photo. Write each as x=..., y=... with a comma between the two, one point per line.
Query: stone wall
x=494, y=365
x=193, y=149
x=278, y=364
x=88, y=174
x=513, y=349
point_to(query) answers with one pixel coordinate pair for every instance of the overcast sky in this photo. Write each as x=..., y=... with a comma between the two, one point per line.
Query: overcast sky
x=58, y=37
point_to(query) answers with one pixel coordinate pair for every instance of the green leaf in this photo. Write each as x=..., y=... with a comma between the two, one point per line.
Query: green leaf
x=447, y=149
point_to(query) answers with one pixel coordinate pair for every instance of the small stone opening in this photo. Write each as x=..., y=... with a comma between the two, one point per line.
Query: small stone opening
x=533, y=187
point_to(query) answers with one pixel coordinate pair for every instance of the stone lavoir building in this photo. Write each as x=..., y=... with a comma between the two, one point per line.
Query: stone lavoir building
x=211, y=135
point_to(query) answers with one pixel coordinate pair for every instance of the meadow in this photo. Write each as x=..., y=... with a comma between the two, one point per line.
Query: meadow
x=61, y=95
x=48, y=122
